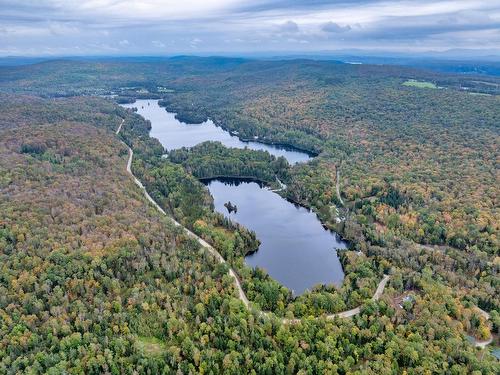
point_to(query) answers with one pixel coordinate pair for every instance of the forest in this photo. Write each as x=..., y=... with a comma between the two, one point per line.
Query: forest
x=93, y=280
x=212, y=159
x=437, y=148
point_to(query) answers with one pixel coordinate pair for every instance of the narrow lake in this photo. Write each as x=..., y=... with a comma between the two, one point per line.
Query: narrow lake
x=176, y=134
x=295, y=248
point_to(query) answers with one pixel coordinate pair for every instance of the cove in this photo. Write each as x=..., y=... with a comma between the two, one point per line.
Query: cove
x=295, y=249
x=174, y=134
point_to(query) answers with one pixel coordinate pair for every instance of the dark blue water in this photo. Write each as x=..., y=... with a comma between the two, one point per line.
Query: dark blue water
x=174, y=134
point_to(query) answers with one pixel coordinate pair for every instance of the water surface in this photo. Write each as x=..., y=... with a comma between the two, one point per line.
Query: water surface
x=295, y=248
x=174, y=134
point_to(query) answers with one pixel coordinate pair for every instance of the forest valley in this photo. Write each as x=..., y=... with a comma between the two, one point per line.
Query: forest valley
x=93, y=280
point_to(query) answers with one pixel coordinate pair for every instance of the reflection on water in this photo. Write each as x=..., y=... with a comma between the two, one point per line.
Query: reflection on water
x=295, y=248
x=174, y=134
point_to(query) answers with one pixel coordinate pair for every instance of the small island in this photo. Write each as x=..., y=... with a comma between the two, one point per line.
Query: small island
x=231, y=207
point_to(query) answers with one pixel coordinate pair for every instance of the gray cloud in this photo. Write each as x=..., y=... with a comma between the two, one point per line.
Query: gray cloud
x=265, y=5
x=332, y=27
x=289, y=27
x=157, y=27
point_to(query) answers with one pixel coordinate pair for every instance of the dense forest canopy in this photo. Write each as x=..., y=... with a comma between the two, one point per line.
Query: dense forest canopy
x=93, y=280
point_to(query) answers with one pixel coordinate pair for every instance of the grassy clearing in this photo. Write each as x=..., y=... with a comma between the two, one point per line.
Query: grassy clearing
x=151, y=345
x=420, y=84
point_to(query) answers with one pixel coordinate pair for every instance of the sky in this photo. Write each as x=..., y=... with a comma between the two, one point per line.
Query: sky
x=168, y=27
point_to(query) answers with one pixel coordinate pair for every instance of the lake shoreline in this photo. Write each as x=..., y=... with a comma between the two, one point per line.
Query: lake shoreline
x=205, y=180
x=296, y=246
x=283, y=145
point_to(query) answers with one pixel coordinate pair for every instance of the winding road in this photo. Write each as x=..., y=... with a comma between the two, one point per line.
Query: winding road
x=337, y=186
x=241, y=293
x=479, y=343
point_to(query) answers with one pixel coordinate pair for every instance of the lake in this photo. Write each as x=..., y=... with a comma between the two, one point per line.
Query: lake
x=175, y=134
x=295, y=249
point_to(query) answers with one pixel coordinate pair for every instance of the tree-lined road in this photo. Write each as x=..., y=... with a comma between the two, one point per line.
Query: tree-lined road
x=241, y=293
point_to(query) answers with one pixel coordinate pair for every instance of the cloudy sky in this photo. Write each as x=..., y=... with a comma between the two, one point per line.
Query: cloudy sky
x=164, y=27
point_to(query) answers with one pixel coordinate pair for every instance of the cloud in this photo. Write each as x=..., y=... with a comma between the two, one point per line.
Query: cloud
x=148, y=26
x=195, y=42
x=332, y=27
x=289, y=27
x=158, y=44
